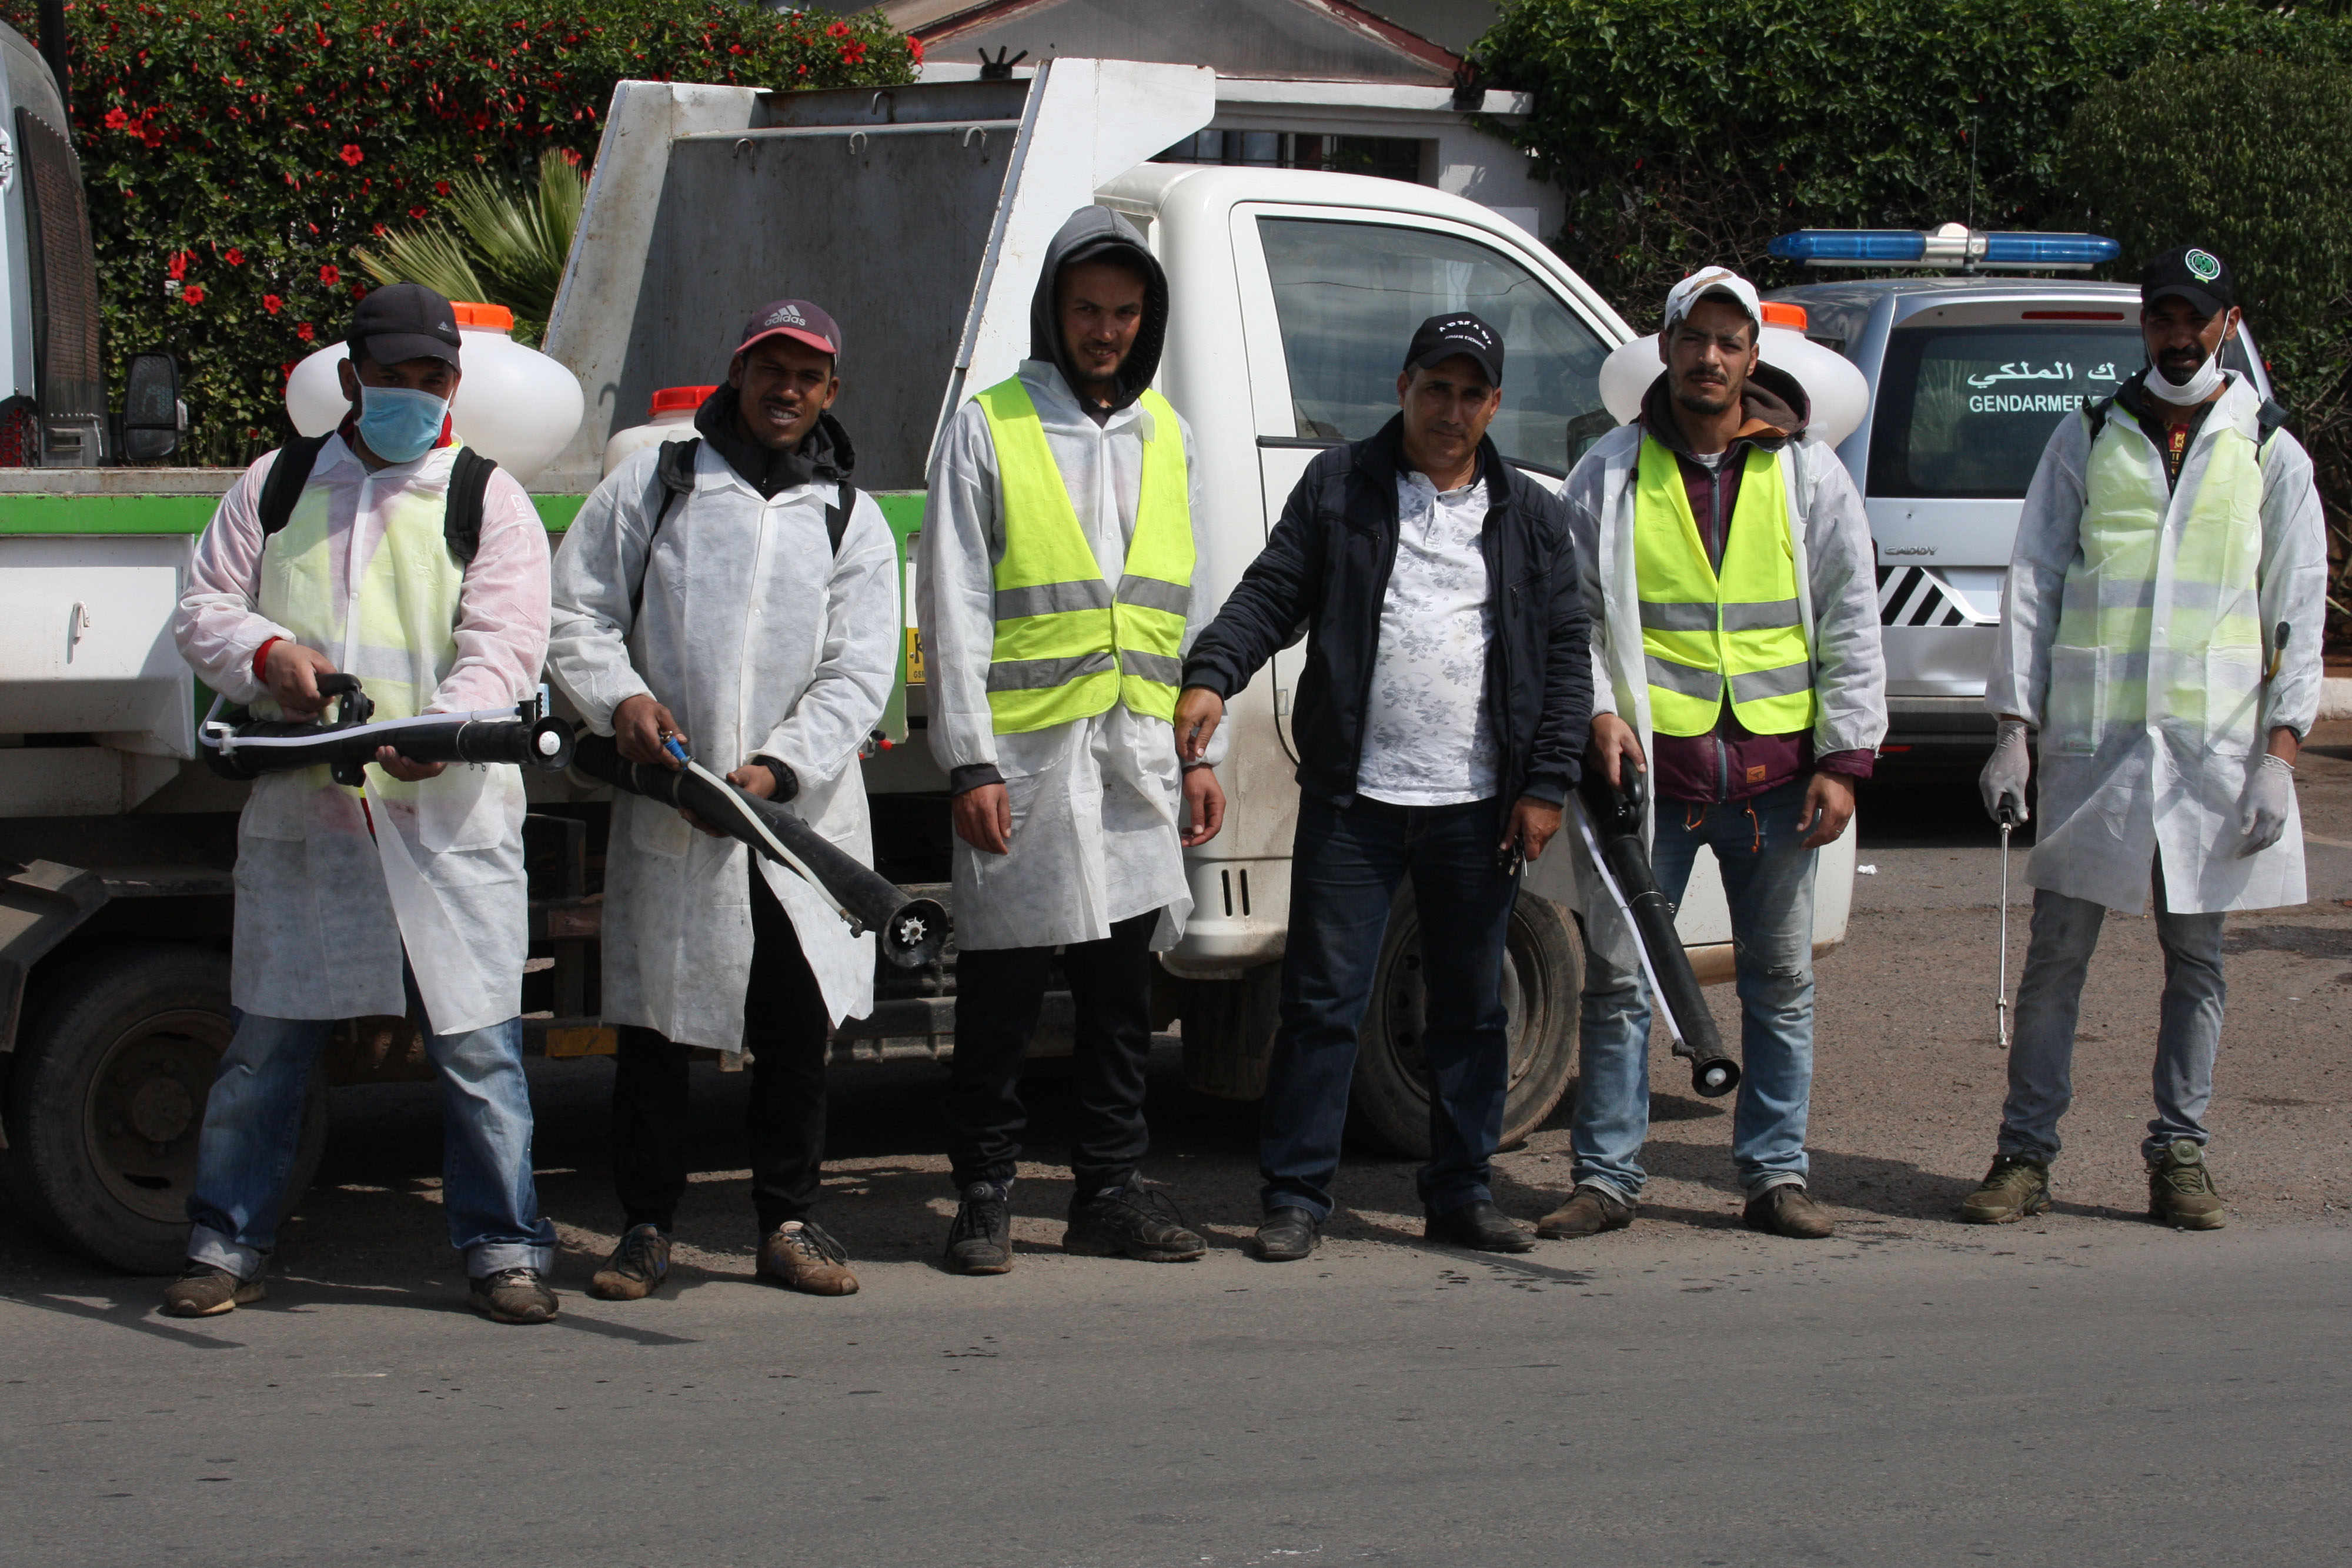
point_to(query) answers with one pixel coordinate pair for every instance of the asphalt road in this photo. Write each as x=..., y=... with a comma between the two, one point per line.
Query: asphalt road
x=2084, y=1388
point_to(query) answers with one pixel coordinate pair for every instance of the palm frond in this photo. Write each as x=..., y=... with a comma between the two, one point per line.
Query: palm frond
x=431, y=256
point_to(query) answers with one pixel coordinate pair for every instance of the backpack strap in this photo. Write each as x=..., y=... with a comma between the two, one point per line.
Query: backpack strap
x=674, y=475
x=461, y=522
x=836, y=517
x=288, y=476
x=2095, y=415
x=2267, y=421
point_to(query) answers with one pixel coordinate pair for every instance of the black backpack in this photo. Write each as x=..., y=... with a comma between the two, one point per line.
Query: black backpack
x=461, y=525
x=674, y=472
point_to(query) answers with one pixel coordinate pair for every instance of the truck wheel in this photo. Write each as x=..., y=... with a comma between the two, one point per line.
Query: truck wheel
x=107, y=1095
x=1543, y=971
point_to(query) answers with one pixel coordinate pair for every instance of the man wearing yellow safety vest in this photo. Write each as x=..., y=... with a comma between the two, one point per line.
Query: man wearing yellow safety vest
x=2161, y=628
x=1056, y=592
x=388, y=550
x=1728, y=563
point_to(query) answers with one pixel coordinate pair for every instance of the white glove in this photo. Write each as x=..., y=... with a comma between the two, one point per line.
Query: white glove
x=2006, y=772
x=2269, y=796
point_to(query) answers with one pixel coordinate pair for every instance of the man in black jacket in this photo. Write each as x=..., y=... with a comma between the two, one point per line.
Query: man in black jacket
x=1444, y=705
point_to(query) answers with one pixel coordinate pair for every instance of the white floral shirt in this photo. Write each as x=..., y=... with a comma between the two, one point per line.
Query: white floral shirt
x=1427, y=741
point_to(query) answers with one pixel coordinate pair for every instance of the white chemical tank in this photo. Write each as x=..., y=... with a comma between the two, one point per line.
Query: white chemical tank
x=515, y=405
x=672, y=420
x=1840, y=396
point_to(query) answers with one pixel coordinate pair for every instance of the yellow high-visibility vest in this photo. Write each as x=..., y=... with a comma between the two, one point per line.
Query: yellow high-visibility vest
x=1068, y=644
x=405, y=607
x=2212, y=631
x=1704, y=632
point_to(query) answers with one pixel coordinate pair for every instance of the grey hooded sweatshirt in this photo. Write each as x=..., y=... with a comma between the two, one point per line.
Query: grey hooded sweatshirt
x=1094, y=801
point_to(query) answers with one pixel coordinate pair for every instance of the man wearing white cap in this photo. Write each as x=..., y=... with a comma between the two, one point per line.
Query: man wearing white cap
x=1737, y=668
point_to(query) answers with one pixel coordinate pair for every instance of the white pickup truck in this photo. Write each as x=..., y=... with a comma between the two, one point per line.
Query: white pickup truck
x=918, y=216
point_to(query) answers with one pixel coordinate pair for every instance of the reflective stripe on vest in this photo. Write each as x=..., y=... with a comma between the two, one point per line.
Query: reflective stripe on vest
x=2209, y=641
x=1068, y=644
x=398, y=630
x=1699, y=631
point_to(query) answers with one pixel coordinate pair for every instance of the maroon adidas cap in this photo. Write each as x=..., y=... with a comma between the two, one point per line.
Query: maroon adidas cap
x=794, y=318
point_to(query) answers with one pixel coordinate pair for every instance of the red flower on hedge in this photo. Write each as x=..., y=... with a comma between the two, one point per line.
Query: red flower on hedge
x=351, y=154
x=331, y=275
x=272, y=303
x=417, y=212
x=852, y=54
x=440, y=187
x=234, y=257
x=177, y=268
x=193, y=293
x=305, y=331
x=116, y=120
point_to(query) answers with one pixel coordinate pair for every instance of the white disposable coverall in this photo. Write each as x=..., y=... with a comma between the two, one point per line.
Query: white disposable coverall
x=2104, y=816
x=317, y=937
x=762, y=641
x=1095, y=803
x=1837, y=599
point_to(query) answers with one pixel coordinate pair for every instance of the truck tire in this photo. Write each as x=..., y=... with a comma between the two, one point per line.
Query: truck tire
x=1543, y=971
x=107, y=1099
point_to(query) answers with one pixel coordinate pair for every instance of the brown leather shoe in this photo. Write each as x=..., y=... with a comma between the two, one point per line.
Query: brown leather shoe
x=1588, y=1212
x=202, y=1291
x=800, y=1255
x=636, y=1268
x=1788, y=1211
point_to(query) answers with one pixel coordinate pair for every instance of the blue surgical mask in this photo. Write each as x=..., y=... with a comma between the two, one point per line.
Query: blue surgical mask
x=400, y=424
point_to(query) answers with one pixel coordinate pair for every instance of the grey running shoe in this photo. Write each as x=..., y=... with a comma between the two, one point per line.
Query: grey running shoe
x=980, y=1240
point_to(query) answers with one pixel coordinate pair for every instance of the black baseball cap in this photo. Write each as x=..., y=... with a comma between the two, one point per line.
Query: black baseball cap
x=1457, y=333
x=794, y=318
x=402, y=321
x=2197, y=276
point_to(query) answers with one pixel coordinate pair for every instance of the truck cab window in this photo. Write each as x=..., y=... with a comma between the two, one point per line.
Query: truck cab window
x=1349, y=296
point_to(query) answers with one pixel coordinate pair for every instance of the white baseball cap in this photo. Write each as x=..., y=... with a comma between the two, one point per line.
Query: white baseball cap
x=1709, y=280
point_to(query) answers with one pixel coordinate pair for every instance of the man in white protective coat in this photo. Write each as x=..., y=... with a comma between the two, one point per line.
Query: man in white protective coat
x=738, y=598
x=1736, y=664
x=389, y=552
x=2160, y=627
x=1062, y=544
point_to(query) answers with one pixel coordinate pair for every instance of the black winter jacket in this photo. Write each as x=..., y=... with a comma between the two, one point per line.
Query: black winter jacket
x=1327, y=566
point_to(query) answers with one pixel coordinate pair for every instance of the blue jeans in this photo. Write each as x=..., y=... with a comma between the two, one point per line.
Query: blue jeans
x=253, y=1122
x=1768, y=879
x=2050, y=997
x=1345, y=866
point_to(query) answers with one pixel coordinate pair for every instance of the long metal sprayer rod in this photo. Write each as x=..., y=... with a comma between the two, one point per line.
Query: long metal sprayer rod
x=2001, y=1002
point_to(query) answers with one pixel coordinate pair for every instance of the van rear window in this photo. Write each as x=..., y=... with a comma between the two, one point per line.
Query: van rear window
x=1963, y=412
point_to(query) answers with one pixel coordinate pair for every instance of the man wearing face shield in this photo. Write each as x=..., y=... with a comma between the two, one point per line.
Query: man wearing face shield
x=735, y=596
x=1060, y=582
x=1737, y=666
x=2160, y=627
x=388, y=550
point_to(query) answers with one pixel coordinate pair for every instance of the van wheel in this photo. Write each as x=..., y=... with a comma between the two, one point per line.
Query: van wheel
x=1543, y=971
x=107, y=1098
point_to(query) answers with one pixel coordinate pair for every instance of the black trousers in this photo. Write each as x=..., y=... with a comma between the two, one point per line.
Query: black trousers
x=998, y=994
x=786, y=1028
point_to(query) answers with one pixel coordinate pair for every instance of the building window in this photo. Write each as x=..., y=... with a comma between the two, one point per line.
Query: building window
x=1389, y=157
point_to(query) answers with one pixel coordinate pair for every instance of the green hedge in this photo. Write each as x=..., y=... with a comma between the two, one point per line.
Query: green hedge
x=236, y=150
x=1687, y=131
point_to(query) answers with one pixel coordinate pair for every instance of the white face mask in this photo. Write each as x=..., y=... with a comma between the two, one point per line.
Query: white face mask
x=2200, y=386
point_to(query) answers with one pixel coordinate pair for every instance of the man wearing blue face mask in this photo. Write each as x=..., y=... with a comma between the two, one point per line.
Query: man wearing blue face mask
x=387, y=549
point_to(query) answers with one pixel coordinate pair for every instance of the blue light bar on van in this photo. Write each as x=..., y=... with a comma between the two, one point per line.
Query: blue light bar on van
x=1954, y=247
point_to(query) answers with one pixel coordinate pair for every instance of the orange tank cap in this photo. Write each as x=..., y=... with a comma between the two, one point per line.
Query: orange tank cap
x=1783, y=313
x=675, y=400
x=490, y=318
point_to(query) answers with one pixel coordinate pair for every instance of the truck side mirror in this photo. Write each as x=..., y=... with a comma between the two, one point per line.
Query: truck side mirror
x=152, y=417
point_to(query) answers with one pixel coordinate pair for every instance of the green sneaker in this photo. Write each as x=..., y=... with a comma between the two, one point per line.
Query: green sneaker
x=2181, y=1188
x=2017, y=1186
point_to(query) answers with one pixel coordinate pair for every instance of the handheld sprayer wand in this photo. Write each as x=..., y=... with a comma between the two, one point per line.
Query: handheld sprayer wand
x=2000, y=1001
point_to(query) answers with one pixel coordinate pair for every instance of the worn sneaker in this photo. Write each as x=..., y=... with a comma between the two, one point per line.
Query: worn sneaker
x=1135, y=1221
x=2180, y=1190
x=1588, y=1212
x=1788, y=1211
x=980, y=1240
x=512, y=1296
x=204, y=1290
x=2016, y=1187
x=802, y=1255
x=636, y=1268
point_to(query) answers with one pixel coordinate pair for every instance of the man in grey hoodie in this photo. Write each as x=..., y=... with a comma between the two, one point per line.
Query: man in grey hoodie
x=1062, y=544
